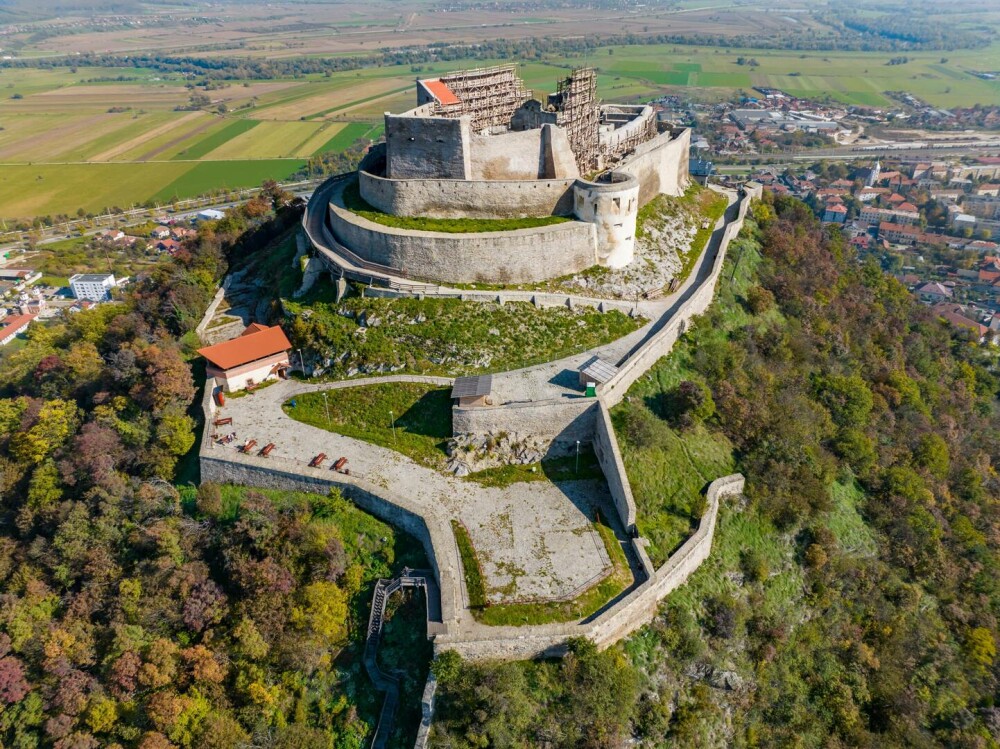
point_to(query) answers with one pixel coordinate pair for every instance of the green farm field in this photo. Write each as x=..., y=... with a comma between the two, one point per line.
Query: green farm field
x=38, y=189
x=55, y=117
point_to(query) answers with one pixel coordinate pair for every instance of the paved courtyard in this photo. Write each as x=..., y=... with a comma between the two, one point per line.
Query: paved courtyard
x=535, y=540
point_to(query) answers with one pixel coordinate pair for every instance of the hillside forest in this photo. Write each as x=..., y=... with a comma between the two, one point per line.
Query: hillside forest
x=851, y=598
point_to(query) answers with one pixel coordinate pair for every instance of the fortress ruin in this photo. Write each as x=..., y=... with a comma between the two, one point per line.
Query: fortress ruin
x=479, y=145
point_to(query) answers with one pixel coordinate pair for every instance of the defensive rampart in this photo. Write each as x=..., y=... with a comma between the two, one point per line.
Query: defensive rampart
x=661, y=342
x=564, y=421
x=455, y=198
x=636, y=609
x=521, y=256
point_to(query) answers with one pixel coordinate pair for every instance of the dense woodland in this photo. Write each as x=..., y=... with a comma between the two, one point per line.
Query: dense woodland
x=852, y=598
x=133, y=614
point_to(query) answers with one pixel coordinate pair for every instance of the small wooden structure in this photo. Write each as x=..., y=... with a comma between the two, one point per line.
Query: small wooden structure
x=317, y=461
x=471, y=392
x=596, y=371
x=267, y=449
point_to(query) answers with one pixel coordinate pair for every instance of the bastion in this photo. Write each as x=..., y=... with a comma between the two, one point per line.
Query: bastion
x=479, y=146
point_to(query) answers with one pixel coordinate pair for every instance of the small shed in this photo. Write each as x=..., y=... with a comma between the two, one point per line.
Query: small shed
x=472, y=391
x=596, y=370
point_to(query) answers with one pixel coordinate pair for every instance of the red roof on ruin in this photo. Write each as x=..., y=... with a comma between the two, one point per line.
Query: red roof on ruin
x=247, y=348
x=441, y=92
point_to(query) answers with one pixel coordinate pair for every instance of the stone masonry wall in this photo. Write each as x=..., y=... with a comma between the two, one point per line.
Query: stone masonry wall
x=610, y=458
x=440, y=198
x=631, y=612
x=522, y=256
x=427, y=147
x=660, y=165
x=563, y=421
x=661, y=343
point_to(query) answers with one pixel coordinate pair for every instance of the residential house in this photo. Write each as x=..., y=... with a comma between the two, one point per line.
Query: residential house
x=933, y=292
x=260, y=354
x=11, y=327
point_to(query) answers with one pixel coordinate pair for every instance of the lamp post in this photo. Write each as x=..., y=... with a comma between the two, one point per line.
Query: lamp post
x=326, y=403
x=392, y=423
x=578, y=456
x=302, y=362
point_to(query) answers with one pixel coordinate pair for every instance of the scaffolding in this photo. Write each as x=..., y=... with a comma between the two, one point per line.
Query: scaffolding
x=489, y=96
x=577, y=112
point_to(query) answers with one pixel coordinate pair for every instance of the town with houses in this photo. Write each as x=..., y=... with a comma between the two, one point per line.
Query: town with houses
x=25, y=298
x=930, y=223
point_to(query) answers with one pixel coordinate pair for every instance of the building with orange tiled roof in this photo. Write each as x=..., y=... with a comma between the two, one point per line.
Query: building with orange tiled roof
x=261, y=353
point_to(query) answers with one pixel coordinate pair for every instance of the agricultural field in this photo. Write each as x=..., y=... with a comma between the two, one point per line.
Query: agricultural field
x=142, y=118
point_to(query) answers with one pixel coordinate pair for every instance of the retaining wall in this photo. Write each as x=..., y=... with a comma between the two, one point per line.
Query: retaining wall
x=634, y=610
x=564, y=421
x=455, y=198
x=521, y=256
x=610, y=458
x=660, y=165
x=661, y=343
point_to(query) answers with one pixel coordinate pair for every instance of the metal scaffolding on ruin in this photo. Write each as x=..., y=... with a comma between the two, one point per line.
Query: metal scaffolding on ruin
x=490, y=96
x=578, y=113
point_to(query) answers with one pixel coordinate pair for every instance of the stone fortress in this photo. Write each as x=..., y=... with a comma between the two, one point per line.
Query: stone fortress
x=480, y=146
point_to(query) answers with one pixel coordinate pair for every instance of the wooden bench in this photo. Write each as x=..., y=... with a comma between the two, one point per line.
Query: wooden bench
x=250, y=445
x=317, y=461
x=339, y=465
x=224, y=422
x=267, y=449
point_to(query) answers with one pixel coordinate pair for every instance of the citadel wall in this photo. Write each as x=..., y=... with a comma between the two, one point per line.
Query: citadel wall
x=461, y=199
x=660, y=165
x=563, y=421
x=612, y=207
x=427, y=147
x=521, y=256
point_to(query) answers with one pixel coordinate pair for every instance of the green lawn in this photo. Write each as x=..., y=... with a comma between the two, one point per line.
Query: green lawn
x=420, y=413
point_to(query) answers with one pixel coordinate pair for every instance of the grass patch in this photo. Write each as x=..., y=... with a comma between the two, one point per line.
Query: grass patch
x=254, y=389
x=475, y=586
x=344, y=137
x=586, y=604
x=554, y=470
x=56, y=281
x=705, y=205
x=421, y=413
x=353, y=201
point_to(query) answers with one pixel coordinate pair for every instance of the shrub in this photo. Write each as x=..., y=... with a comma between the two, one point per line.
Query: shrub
x=759, y=299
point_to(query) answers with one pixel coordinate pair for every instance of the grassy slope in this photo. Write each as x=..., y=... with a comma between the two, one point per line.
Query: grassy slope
x=422, y=416
x=670, y=469
x=447, y=336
